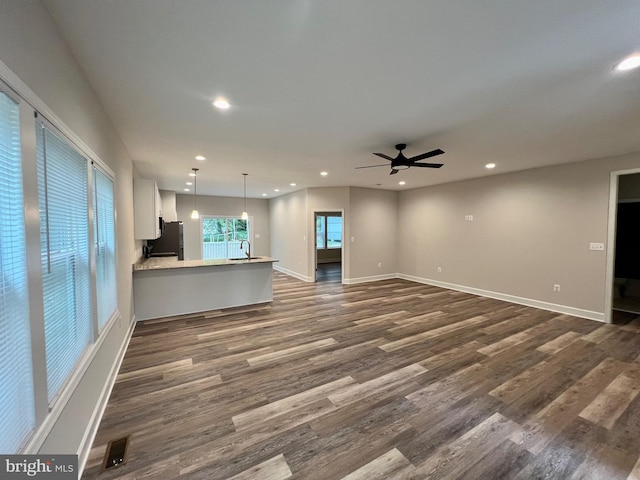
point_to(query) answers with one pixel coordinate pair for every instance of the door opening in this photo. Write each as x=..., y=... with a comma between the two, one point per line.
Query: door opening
x=626, y=260
x=328, y=246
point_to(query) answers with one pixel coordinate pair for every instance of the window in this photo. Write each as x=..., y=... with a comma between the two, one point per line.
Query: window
x=221, y=237
x=64, y=232
x=104, y=246
x=17, y=411
x=50, y=314
x=328, y=231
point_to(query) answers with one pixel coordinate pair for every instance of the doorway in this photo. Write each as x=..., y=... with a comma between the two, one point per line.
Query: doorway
x=328, y=246
x=626, y=258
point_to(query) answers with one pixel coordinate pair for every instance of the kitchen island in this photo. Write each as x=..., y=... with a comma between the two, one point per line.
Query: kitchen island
x=166, y=287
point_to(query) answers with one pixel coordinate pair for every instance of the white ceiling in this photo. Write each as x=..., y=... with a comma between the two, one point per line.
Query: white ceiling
x=320, y=85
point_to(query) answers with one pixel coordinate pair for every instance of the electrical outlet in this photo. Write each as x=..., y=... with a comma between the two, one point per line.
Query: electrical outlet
x=379, y=264
x=596, y=246
x=439, y=269
x=556, y=287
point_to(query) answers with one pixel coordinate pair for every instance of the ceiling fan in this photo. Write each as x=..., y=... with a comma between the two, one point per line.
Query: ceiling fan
x=402, y=163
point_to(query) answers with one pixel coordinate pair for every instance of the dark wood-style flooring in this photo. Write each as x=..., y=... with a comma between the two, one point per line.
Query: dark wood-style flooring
x=385, y=380
x=329, y=272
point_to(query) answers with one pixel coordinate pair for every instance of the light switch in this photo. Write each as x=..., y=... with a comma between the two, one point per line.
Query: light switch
x=596, y=246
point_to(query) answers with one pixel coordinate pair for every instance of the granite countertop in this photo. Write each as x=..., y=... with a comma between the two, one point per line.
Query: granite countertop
x=167, y=263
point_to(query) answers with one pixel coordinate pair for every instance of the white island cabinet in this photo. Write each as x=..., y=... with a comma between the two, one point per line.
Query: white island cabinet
x=166, y=287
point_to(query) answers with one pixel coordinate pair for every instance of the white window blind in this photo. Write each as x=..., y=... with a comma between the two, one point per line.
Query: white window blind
x=64, y=231
x=17, y=416
x=104, y=235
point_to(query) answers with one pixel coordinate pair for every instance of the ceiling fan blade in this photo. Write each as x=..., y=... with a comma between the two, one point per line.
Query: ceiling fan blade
x=393, y=171
x=427, y=165
x=384, y=156
x=430, y=154
x=369, y=166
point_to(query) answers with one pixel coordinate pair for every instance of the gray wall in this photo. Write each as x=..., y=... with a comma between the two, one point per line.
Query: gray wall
x=289, y=233
x=33, y=49
x=530, y=230
x=374, y=223
x=328, y=255
x=258, y=210
x=369, y=231
x=629, y=187
x=326, y=199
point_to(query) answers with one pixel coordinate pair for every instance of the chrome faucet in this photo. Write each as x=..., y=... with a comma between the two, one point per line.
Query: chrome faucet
x=248, y=248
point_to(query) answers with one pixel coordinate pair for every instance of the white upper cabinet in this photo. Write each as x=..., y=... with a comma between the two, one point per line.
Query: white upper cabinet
x=169, y=212
x=147, y=209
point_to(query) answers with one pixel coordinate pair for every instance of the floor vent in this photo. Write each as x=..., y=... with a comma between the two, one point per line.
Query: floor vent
x=116, y=453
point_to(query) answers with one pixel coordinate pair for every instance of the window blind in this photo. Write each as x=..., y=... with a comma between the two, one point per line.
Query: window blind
x=64, y=231
x=104, y=235
x=17, y=415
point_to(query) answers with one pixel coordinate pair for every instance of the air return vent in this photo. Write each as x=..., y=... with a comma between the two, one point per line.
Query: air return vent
x=116, y=453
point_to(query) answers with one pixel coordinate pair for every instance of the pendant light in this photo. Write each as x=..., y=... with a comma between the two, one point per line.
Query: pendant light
x=245, y=215
x=194, y=214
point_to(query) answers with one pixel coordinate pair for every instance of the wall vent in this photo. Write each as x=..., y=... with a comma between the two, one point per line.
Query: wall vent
x=116, y=454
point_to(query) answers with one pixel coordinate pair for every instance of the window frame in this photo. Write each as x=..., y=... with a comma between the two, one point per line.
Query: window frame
x=226, y=241
x=325, y=219
x=47, y=414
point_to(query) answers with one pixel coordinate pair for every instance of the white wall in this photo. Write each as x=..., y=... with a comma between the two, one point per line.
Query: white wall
x=258, y=210
x=32, y=48
x=530, y=230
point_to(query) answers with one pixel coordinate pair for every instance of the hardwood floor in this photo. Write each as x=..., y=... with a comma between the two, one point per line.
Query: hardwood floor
x=385, y=380
x=329, y=272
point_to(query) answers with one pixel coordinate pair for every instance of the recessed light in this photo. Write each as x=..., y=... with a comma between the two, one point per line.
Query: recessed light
x=189, y=183
x=402, y=182
x=192, y=174
x=200, y=157
x=187, y=190
x=221, y=103
x=490, y=166
x=292, y=184
x=629, y=63
x=264, y=194
x=276, y=189
x=324, y=174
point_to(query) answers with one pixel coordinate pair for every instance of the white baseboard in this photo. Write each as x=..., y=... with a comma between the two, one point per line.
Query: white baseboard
x=576, y=312
x=92, y=428
x=291, y=273
x=373, y=278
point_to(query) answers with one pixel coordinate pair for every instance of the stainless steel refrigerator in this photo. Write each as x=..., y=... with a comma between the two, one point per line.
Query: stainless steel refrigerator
x=170, y=243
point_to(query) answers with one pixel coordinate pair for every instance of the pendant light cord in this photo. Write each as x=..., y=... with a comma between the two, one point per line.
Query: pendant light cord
x=244, y=175
x=195, y=188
